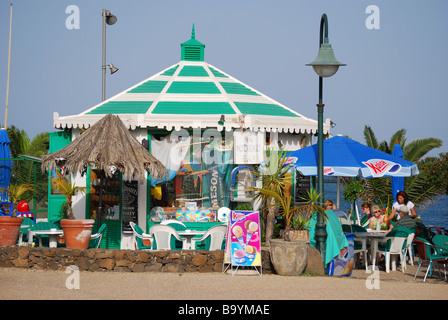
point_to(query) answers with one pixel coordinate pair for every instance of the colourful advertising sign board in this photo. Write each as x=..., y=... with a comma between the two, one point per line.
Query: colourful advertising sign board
x=244, y=239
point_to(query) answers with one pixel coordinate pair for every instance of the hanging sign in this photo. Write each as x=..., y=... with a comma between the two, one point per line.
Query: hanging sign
x=303, y=185
x=129, y=205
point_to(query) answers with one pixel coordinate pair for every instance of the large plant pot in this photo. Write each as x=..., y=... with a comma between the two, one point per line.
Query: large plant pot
x=77, y=232
x=9, y=230
x=289, y=258
x=292, y=235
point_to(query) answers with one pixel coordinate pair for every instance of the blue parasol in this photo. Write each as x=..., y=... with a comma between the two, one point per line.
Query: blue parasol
x=344, y=157
x=5, y=165
x=397, y=183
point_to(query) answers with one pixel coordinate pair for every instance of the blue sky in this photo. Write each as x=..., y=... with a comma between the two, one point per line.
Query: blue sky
x=395, y=76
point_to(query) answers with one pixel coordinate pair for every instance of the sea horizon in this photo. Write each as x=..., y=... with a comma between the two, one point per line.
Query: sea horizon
x=435, y=214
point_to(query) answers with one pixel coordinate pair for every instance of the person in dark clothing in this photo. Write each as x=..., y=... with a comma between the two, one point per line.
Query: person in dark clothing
x=405, y=219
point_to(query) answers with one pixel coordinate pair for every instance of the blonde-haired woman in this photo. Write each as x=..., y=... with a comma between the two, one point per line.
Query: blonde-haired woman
x=329, y=205
x=377, y=218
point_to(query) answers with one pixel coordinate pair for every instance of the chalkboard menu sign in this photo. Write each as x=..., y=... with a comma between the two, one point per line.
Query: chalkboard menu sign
x=129, y=205
x=303, y=185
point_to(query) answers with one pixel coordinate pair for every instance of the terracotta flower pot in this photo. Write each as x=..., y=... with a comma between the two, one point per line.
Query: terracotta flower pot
x=9, y=230
x=61, y=240
x=77, y=233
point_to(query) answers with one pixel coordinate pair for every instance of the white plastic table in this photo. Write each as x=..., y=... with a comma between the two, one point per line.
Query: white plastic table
x=52, y=233
x=375, y=237
x=189, y=234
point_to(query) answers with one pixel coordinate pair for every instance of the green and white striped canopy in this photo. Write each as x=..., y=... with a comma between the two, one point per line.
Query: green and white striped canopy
x=191, y=94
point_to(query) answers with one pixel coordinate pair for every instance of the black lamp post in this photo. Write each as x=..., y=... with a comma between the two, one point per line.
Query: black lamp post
x=325, y=65
x=110, y=19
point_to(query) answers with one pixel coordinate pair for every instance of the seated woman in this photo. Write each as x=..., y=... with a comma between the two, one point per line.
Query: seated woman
x=402, y=199
x=329, y=205
x=365, y=207
x=377, y=218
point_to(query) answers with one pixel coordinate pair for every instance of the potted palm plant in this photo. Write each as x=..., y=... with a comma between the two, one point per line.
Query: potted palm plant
x=10, y=225
x=77, y=232
x=274, y=179
x=299, y=226
x=289, y=255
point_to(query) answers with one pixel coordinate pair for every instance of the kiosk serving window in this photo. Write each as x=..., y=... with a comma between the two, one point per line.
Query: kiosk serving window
x=199, y=168
x=110, y=196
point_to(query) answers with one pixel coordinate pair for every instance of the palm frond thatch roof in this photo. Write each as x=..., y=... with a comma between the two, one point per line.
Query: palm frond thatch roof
x=108, y=143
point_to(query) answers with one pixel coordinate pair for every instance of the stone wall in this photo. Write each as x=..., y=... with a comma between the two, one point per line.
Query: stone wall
x=117, y=260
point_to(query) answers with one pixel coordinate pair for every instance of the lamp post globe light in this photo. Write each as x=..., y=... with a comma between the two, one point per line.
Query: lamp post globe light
x=110, y=19
x=325, y=65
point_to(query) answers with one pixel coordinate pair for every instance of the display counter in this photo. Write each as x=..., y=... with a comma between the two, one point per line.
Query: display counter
x=192, y=225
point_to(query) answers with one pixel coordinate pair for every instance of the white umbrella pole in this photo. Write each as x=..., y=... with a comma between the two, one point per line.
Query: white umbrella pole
x=9, y=68
x=338, y=193
x=358, y=220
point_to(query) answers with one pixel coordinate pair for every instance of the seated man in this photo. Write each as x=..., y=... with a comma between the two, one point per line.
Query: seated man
x=405, y=219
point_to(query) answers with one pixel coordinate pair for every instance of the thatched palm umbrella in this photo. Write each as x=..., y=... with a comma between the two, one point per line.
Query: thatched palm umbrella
x=107, y=144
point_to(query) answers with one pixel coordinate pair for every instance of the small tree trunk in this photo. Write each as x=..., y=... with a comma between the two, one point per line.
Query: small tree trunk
x=70, y=214
x=14, y=210
x=270, y=222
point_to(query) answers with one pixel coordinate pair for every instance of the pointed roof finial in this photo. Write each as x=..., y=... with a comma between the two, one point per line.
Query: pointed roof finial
x=192, y=50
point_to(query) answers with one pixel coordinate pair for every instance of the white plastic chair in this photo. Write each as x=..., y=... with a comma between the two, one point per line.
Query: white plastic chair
x=216, y=234
x=396, y=247
x=172, y=221
x=409, y=250
x=363, y=249
x=162, y=235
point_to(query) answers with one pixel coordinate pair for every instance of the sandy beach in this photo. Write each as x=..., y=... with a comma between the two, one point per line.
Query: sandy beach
x=37, y=284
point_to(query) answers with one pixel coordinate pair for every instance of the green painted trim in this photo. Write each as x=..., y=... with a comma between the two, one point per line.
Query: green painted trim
x=178, y=107
x=193, y=71
x=58, y=140
x=190, y=87
x=170, y=72
x=149, y=87
x=88, y=190
x=204, y=226
x=266, y=109
x=121, y=201
x=192, y=50
x=237, y=88
x=216, y=73
x=157, y=131
x=192, y=53
x=112, y=234
x=148, y=188
x=122, y=107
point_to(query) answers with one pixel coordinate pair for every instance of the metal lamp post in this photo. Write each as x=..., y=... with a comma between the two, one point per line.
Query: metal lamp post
x=325, y=65
x=110, y=19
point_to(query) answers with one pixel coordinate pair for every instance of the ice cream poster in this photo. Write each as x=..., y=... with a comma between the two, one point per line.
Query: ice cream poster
x=245, y=238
